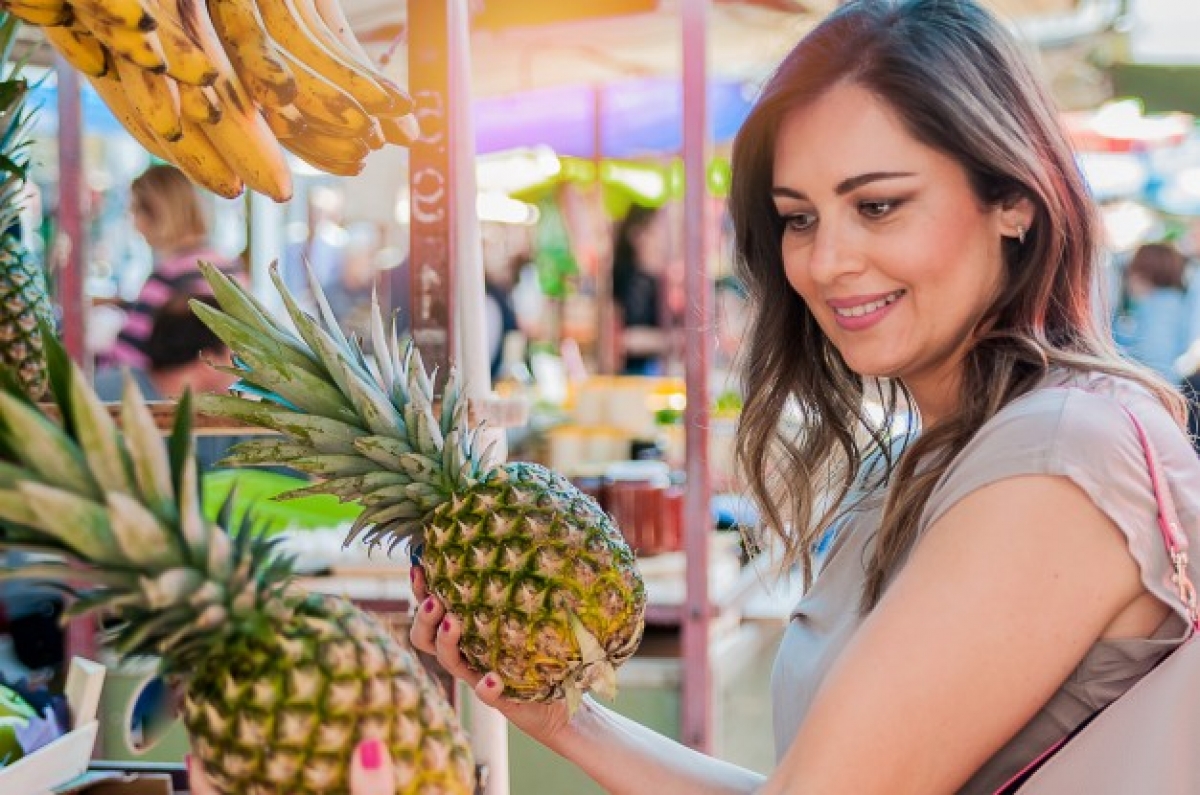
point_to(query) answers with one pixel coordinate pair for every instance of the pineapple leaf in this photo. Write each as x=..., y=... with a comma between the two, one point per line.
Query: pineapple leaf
x=41, y=446
x=181, y=445
x=151, y=464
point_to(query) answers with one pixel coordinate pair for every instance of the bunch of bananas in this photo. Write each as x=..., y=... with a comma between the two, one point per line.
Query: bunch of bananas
x=221, y=87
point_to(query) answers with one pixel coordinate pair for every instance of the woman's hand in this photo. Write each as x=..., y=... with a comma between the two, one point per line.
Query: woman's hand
x=371, y=772
x=434, y=631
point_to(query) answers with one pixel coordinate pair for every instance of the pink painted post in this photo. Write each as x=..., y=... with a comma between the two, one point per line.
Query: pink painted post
x=432, y=222
x=697, y=718
x=67, y=253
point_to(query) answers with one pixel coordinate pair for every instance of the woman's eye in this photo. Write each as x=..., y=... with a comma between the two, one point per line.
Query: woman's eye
x=799, y=222
x=876, y=209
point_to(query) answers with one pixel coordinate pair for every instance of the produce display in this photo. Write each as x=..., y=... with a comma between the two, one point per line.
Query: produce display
x=24, y=300
x=547, y=590
x=221, y=88
x=277, y=685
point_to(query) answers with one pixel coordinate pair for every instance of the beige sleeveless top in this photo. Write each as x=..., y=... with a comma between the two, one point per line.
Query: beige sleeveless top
x=1081, y=434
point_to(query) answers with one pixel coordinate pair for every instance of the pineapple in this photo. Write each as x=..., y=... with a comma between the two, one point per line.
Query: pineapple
x=24, y=301
x=278, y=685
x=547, y=591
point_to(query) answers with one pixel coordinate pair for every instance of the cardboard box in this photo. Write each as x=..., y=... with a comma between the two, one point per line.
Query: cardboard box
x=67, y=757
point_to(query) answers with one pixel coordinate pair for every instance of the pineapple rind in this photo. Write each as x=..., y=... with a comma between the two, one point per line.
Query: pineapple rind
x=516, y=570
x=342, y=678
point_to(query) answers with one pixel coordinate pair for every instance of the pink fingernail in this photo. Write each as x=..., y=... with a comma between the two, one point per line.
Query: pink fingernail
x=429, y=605
x=489, y=681
x=445, y=625
x=370, y=752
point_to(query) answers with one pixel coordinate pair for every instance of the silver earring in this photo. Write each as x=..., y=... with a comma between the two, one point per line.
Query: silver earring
x=1020, y=234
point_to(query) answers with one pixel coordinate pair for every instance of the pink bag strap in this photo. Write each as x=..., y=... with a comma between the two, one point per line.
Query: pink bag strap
x=1174, y=539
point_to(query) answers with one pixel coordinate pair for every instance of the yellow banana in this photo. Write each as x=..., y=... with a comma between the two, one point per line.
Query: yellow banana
x=284, y=121
x=199, y=104
x=255, y=57
x=80, y=49
x=311, y=151
x=42, y=16
x=155, y=96
x=321, y=100
x=109, y=88
x=186, y=61
x=130, y=14
x=402, y=131
x=331, y=13
x=241, y=135
x=287, y=22
x=196, y=156
x=192, y=152
x=142, y=47
x=243, y=138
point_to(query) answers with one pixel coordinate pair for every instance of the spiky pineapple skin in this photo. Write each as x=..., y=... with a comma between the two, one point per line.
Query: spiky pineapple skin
x=254, y=720
x=516, y=555
x=23, y=303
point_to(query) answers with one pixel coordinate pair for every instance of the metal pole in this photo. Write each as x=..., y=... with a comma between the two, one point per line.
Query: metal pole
x=68, y=250
x=445, y=260
x=68, y=255
x=697, y=715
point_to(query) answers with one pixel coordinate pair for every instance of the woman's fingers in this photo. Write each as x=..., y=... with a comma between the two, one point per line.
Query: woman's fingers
x=449, y=657
x=198, y=783
x=490, y=689
x=428, y=616
x=419, y=586
x=371, y=770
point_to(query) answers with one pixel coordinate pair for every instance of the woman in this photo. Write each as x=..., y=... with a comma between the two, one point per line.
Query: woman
x=167, y=213
x=908, y=213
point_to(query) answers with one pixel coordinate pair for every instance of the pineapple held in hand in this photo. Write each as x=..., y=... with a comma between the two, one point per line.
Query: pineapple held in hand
x=279, y=685
x=547, y=590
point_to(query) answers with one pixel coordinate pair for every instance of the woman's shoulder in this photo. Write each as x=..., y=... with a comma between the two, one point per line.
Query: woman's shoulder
x=1075, y=425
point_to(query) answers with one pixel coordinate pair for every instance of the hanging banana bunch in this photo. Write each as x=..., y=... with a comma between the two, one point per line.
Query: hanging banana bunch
x=221, y=88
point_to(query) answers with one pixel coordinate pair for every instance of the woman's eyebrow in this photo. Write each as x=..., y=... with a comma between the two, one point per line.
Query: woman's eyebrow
x=843, y=187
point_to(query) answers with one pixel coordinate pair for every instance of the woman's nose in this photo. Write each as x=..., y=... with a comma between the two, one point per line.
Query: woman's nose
x=833, y=253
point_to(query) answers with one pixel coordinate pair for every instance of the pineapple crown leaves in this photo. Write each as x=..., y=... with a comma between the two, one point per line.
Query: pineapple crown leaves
x=16, y=119
x=121, y=515
x=368, y=427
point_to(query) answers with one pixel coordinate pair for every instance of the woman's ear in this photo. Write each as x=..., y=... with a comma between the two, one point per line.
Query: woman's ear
x=1016, y=216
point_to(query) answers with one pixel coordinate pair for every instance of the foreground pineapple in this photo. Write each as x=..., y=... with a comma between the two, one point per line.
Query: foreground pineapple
x=24, y=302
x=545, y=587
x=279, y=685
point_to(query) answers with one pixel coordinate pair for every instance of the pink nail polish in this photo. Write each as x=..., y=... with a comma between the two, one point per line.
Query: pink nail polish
x=370, y=753
x=489, y=681
x=445, y=625
x=428, y=607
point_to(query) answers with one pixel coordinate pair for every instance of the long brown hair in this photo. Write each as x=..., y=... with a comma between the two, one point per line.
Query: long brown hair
x=960, y=85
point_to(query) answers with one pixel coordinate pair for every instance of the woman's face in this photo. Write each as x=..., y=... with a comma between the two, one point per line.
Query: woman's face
x=884, y=239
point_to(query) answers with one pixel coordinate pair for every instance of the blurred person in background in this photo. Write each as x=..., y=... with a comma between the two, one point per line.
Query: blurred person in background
x=639, y=264
x=180, y=354
x=168, y=214
x=1153, y=325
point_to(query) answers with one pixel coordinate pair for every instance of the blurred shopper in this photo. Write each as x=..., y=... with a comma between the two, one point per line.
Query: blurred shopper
x=168, y=214
x=640, y=260
x=1154, y=324
x=180, y=354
